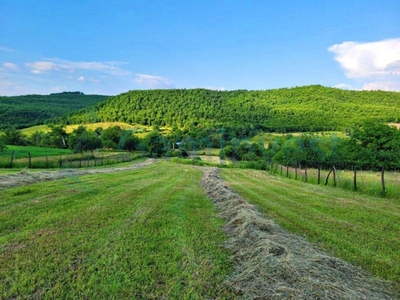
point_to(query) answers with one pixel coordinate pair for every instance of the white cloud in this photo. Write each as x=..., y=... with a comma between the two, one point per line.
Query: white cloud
x=368, y=60
x=373, y=65
x=383, y=86
x=152, y=81
x=39, y=67
x=54, y=64
x=344, y=86
x=81, y=78
x=216, y=88
x=11, y=66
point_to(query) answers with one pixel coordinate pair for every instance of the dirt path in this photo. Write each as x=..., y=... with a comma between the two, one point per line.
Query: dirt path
x=26, y=177
x=271, y=263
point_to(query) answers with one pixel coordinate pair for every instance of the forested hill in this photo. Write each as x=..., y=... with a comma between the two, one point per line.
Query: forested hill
x=307, y=108
x=29, y=110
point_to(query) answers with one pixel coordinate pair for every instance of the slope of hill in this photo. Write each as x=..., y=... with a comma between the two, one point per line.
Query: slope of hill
x=307, y=108
x=29, y=110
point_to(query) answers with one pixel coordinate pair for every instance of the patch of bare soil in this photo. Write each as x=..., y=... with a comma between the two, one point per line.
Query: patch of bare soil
x=271, y=263
x=26, y=177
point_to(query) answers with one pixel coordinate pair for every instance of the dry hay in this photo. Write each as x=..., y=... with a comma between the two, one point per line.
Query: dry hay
x=24, y=177
x=271, y=263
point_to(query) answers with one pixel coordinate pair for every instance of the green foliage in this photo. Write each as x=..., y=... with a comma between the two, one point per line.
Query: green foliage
x=110, y=137
x=242, y=113
x=128, y=141
x=12, y=136
x=378, y=143
x=156, y=144
x=30, y=110
x=3, y=145
x=84, y=140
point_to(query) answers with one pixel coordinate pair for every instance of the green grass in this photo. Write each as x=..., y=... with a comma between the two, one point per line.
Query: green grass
x=144, y=234
x=360, y=229
x=23, y=151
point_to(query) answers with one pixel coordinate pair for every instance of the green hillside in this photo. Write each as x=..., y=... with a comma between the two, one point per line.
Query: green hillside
x=30, y=110
x=308, y=108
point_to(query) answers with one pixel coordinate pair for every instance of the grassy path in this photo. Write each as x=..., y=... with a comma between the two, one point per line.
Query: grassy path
x=359, y=229
x=136, y=234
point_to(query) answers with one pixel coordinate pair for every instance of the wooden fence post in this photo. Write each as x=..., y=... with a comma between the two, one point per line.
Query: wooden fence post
x=383, y=181
x=355, y=177
x=12, y=158
x=29, y=160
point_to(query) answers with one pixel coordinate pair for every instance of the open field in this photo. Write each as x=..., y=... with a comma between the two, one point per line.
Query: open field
x=45, y=158
x=267, y=137
x=360, y=229
x=139, y=130
x=146, y=233
x=23, y=151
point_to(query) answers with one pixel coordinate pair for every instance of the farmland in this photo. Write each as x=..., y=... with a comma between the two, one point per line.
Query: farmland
x=140, y=234
x=152, y=232
x=360, y=229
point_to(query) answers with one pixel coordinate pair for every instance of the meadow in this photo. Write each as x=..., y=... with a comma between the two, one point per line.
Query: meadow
x=147, y=233
x=363, y=230
x=50, y=158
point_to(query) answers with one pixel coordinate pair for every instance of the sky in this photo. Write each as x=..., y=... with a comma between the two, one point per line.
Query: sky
x=110, y=47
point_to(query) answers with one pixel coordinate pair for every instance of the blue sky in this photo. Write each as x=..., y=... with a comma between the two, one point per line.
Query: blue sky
x=110, y=47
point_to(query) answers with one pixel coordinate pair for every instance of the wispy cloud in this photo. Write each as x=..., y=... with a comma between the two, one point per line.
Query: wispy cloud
x=377, y=61
x=383, y=86
x=6, y=49
x=152, y=81
x=344, y=86
x=11, y=66
x=54, y=64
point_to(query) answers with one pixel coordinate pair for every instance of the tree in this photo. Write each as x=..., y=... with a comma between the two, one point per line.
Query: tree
x=57, y=137
x=128, y=141
x=156, y=144
x=84, y=140
x=14, y=137
x=3, y=145
x=380, y=144
x=111, y=136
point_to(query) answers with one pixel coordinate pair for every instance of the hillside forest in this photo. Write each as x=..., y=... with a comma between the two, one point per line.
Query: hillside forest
x=30, y=110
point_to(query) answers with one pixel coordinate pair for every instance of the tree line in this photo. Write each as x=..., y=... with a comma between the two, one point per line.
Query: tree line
x=304, y=109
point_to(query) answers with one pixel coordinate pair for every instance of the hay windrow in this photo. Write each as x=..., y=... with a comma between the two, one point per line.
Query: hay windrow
x=271, y=263
x=24, y=177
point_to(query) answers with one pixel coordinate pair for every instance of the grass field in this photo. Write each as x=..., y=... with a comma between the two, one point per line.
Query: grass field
x=23, y=151
x=140, y=130
x=148, y=233
x=266, y=137
x=360, y=229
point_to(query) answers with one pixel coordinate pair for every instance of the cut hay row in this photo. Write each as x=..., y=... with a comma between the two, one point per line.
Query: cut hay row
x=24, y=177
x=271, y=263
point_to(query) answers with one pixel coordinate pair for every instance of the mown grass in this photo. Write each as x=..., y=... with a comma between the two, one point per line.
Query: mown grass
x=144, y=234
x=360, y=229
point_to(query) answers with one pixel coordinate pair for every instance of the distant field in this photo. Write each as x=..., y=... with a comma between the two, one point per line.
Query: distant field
x=267, y=137
x=23, y=151
x=143, y=234
x=360, y=229
x=139, y=130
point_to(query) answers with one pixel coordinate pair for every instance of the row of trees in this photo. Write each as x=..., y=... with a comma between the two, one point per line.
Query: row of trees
x=372, y=146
